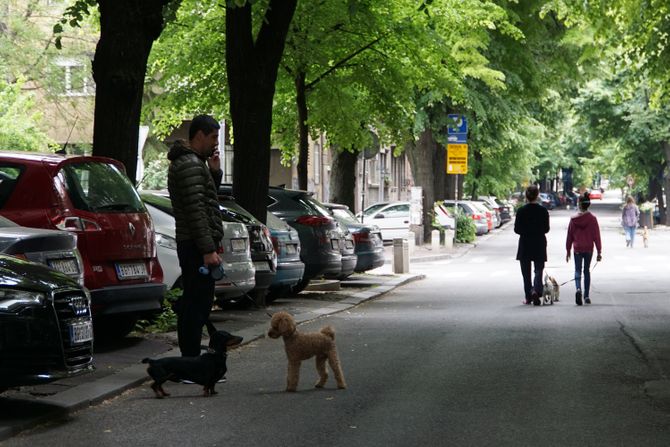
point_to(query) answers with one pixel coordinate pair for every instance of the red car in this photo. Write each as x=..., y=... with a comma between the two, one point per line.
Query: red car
x=595, y=194
x=92, y=198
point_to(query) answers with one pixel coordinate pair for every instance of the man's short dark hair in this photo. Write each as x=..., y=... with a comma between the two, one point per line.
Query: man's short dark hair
x=205, y=123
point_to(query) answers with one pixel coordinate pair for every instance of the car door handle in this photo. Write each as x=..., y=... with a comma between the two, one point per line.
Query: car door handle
x=406, y=221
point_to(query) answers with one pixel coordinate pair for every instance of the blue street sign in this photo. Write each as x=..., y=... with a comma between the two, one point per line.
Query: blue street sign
x=457, y=124
x=457, y=138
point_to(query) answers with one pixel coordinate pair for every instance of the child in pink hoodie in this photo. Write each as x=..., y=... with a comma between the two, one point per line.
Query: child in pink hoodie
x=583, y=234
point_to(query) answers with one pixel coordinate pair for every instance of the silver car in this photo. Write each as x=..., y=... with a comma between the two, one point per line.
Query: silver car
x=56, y=249
x=237, y=264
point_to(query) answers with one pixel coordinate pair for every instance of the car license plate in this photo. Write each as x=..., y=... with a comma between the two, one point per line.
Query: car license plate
x=291, y=249
x=131, y=270
x=81, y=332
x=349, y=244
x=238, y=244
x=262, y=266
x=68, y=266
x=335, y=244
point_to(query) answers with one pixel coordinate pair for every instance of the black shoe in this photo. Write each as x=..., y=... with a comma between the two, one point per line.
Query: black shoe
x=587, y=300
x=578, y=297
x=536, y=299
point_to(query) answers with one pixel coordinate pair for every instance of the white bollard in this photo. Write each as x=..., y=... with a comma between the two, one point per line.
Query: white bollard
x=449, y=239
x=400, y=256
x=435, y=240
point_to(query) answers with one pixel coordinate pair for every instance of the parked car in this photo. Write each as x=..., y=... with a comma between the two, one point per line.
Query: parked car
x=595, y=194
x=263, y=253
x=367, y=238
x=46, y=331
x=392, y=218
x=486, y=212
x=445, y=217
x=290, y=268
x=472, y=211
x=53, y=248
x=491, y=213
x=348, y=252
x=93, y=198
x=319, y=233
x=546, y=201
x=237, y=264
x=502, y=210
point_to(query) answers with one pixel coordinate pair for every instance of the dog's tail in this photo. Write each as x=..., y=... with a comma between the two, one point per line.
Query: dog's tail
x=329, y=332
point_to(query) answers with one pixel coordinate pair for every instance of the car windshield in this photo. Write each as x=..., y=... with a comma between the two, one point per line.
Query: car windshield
x=314, y=205
x=345, y=215
x=276, y=223
x=100, y=187
x=231, y=209
x=373, y=208
x=6, y=223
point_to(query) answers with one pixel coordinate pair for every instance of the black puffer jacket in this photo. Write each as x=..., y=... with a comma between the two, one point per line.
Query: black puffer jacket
x=193, y=194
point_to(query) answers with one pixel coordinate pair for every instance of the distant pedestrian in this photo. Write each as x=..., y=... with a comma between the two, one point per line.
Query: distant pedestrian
x=583, y=234
x=193, y=178
x=629, y=217
x=531, y=224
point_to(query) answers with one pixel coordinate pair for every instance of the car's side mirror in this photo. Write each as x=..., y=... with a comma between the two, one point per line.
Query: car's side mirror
x=379, y=216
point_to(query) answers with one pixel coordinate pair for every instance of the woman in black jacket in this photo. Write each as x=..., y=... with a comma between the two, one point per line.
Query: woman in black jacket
x=531, y=224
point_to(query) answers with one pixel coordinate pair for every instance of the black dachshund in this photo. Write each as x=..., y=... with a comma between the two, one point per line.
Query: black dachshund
x=206, y=369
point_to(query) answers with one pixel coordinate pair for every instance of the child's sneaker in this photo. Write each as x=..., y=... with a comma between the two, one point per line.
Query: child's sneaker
x=578, y=297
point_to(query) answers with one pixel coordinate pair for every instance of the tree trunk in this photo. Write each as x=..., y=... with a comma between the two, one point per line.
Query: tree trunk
x=128, y=29
x=665, y=215
x=477, y=172
x=252, y=72
x=343, y=178
x=303, y=129
x=423, y=159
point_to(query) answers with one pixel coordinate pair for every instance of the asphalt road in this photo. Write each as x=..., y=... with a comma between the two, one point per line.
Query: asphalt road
x=453, y=360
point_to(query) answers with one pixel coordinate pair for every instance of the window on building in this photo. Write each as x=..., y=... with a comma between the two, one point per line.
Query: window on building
x=76, y=78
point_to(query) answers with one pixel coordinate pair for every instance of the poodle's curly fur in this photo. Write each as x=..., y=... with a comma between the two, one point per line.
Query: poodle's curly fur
x=302, y=346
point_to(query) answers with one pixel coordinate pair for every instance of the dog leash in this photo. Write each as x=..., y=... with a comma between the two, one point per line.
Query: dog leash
x=591, y=271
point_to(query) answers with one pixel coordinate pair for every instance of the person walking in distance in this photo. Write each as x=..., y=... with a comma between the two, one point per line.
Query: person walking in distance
x=629, y=217
x=193, y=178
x=583, y=234
x=532, y=224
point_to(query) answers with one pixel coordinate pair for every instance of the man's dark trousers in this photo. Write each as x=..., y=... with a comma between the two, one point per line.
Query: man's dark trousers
x=536, y=284
x=196, y=301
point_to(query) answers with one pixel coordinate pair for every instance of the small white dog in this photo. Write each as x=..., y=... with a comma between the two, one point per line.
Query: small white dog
x=552, y=290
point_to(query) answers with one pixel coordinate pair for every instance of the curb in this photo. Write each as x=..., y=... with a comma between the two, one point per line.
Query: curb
x=92, y=393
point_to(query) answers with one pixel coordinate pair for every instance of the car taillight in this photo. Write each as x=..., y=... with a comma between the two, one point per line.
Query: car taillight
x=73, y=223
x=314, y=221
x=275, y=244
x=476, y=217
x=362, y=237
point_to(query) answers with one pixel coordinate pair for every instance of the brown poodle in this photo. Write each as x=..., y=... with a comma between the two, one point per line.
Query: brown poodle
x=301, y=346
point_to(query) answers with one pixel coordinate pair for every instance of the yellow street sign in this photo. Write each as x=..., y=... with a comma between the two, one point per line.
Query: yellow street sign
x=457, y=158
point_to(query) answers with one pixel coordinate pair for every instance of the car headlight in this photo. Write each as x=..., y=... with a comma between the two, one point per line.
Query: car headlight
x=166, y=241
x=12, y=300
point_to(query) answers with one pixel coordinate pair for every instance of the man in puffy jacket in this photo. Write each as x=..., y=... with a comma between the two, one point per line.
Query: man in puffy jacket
x=193, y=178
x=583, y=234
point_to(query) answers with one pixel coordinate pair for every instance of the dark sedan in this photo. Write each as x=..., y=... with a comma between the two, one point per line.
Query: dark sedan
x=46, y=331
x=57, y=249
x=368, y=238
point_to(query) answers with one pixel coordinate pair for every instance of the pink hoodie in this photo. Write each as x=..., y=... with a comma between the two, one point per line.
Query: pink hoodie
x=583, y=232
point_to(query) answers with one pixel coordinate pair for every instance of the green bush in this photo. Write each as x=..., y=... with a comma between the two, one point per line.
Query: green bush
x=465, y=228
x=166, y=321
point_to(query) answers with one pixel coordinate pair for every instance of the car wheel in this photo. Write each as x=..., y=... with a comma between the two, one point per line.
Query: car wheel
x=300, y=286
x=277, y=292
x=113, y=327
